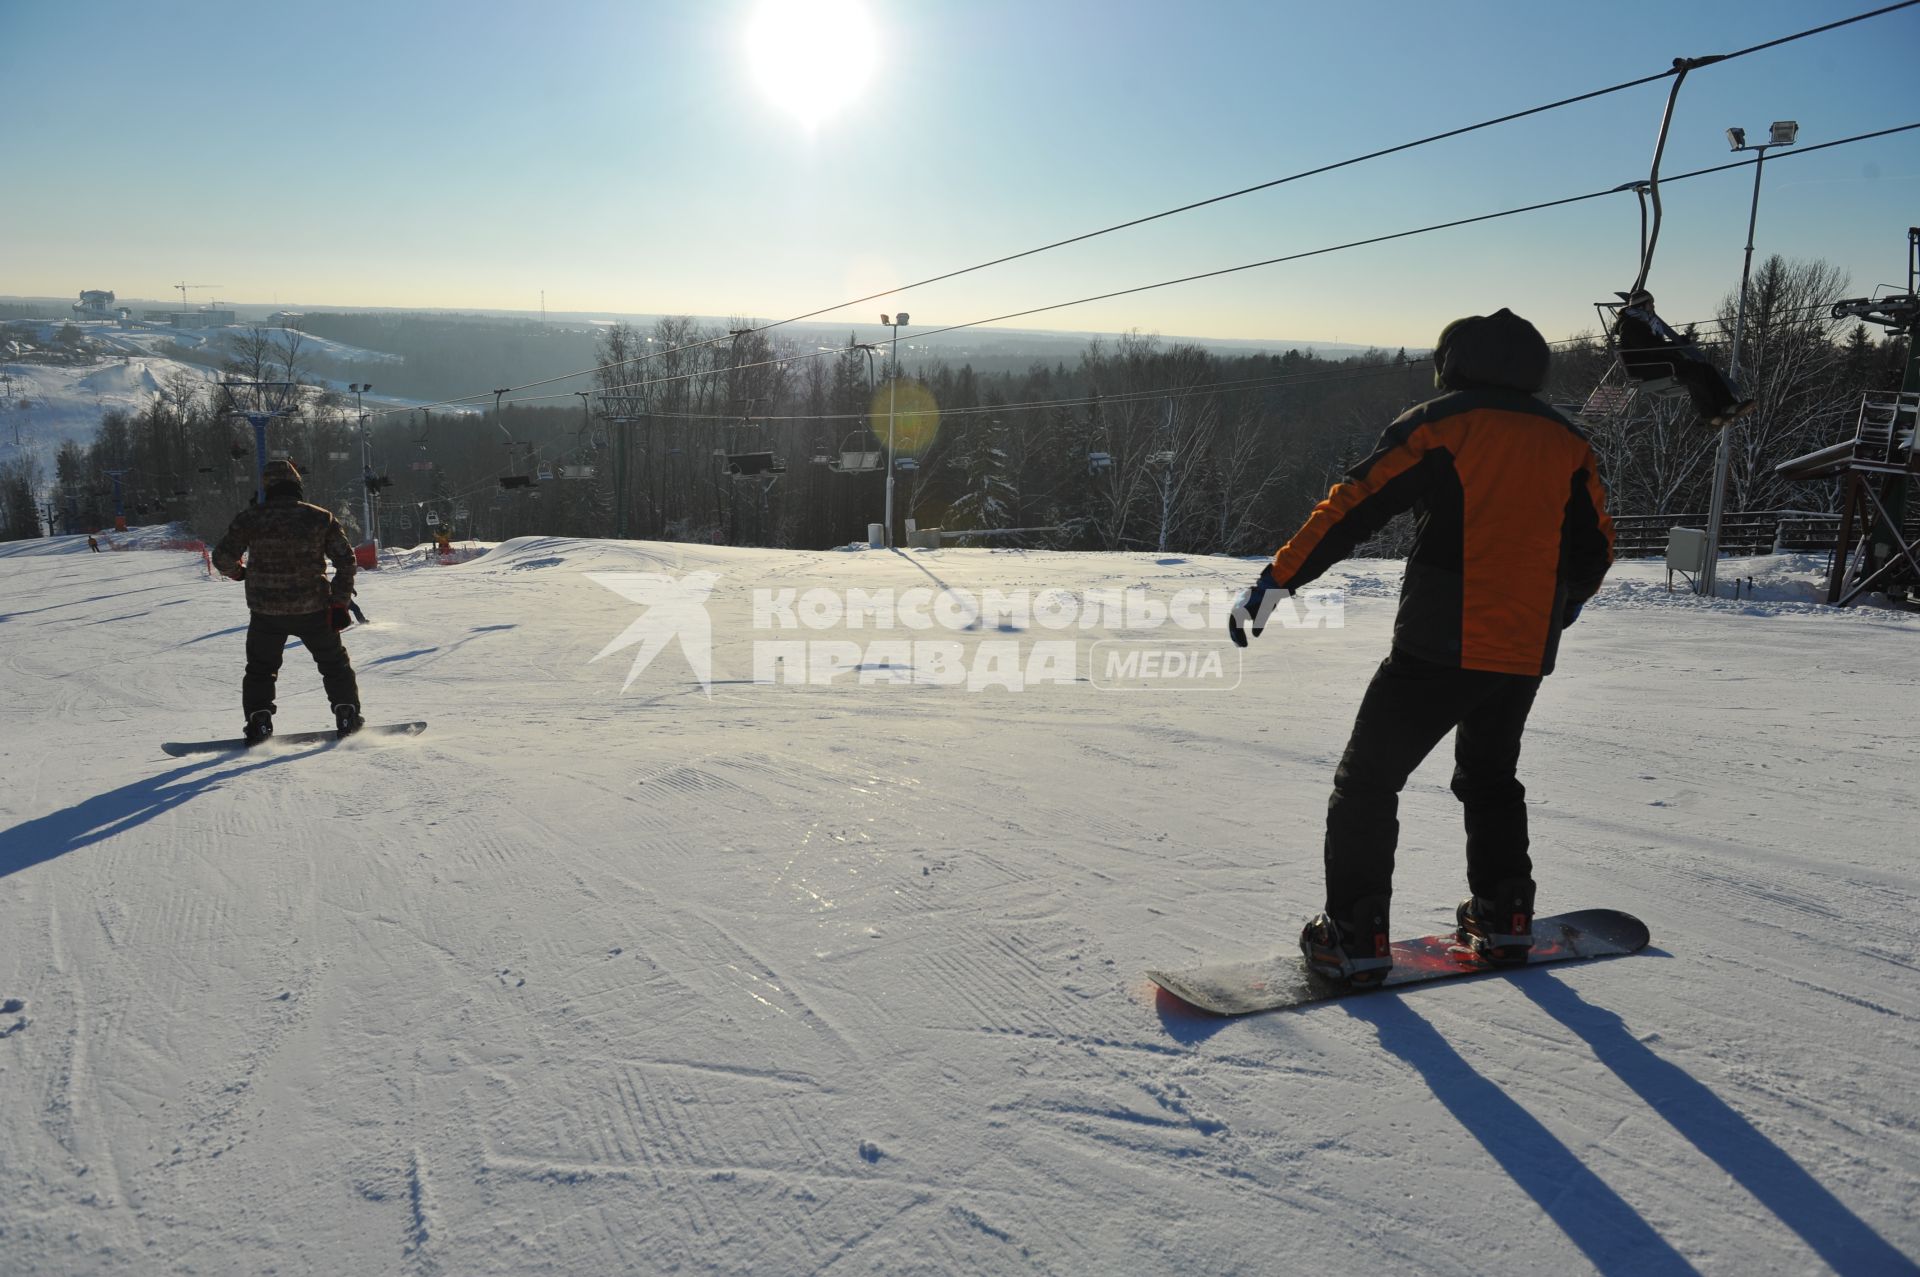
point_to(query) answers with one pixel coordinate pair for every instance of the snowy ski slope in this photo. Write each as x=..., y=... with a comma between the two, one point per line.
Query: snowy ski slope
x=849, y=979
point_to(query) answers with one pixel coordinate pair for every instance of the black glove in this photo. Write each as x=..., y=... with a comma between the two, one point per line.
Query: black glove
x=239, y=572
x=339, y=615
x=1253, y=607
x=1570, y=614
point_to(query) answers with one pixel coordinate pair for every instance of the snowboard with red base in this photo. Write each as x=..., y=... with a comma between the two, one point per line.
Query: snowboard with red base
x=180, y=749
x=1244, y=987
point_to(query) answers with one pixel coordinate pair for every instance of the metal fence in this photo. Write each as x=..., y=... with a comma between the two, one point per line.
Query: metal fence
x=1742, y=532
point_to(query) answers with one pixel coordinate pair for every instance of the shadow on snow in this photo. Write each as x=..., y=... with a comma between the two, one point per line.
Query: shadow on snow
x=103, y=816
x=1844, y=1240
x=1612, y=1235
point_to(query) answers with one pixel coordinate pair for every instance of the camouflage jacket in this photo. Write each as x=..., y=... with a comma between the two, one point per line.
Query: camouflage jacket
x=287, y=544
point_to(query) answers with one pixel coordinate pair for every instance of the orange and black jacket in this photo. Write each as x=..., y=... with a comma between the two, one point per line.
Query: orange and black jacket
x=1511, y=528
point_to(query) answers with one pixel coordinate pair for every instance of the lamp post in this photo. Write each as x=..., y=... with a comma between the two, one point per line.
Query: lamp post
x=893, y=392
x=366, y=459
x=1782, y=133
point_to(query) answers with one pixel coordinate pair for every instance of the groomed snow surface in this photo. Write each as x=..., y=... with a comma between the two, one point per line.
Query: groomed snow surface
x=796, y=979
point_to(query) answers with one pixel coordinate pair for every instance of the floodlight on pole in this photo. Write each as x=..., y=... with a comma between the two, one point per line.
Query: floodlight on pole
x=893, y=393
x=1782, y=133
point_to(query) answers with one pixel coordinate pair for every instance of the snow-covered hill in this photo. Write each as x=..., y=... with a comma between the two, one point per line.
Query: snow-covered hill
x=848, y=978
x=50, y=404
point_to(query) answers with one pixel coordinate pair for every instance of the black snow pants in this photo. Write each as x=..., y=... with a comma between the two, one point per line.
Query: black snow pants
x=1409, y=707
x=267, y=637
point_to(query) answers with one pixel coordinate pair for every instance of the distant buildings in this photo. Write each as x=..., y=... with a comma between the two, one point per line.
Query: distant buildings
x=189, y=318
x=97, y=303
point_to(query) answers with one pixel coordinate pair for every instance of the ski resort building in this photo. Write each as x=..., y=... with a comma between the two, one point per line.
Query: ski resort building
x=96, y=303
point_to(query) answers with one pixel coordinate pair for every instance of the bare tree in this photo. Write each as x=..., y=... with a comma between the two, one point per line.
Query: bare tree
x=1791, y=367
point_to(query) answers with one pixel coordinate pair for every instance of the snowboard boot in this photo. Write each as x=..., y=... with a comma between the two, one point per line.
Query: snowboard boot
x=259, y=726
x=1499, y=928
x=347, y=719
x=1356, y=951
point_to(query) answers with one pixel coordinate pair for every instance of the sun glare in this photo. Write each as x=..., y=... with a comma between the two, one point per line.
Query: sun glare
x=812, y=57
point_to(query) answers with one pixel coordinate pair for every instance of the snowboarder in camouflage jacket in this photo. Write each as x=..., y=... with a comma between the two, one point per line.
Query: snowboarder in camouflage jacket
x=287, y=544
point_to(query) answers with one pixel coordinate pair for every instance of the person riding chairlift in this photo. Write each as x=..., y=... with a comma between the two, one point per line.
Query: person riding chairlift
x=1651, y=350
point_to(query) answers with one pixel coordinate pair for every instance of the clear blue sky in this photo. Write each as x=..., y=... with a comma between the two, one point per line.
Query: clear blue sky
x=622, y=156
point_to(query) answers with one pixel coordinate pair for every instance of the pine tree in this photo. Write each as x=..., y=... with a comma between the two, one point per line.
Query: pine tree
x=982, y=463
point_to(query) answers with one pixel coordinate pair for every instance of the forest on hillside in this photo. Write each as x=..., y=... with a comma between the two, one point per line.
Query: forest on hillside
x=730, y=435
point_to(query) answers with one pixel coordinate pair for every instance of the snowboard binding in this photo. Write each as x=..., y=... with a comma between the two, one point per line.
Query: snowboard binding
x=1499, y=928
x=1357, y=953
x=259, y=727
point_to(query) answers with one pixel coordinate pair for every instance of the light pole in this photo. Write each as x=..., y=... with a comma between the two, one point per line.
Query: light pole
x=366, y=459
x=893, y=393
x=1782, y=134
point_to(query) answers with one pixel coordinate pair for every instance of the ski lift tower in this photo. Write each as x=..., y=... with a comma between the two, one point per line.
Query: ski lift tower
x=1879, y=468
x=620, y=411
x=119, y=506
x=360, y=388
x=270, y=399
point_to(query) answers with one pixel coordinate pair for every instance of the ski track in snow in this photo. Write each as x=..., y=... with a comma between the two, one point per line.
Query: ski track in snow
x=849, y=979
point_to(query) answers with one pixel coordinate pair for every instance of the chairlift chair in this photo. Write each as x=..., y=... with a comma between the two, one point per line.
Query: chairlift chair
x=857, y=457
x=1625, y=379
x=1099, y=461
x=906, y=465
x=743, y=465
x=754, y=461
x=1628, y=378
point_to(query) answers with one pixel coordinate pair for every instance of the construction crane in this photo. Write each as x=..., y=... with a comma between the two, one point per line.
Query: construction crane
x=183, y=286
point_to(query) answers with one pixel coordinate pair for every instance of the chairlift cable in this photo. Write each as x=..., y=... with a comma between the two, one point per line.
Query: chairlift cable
x=1675, y=71
x=1271, y=261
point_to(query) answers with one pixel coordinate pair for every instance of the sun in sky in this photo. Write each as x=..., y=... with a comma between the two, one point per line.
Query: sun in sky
x=812, y=58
